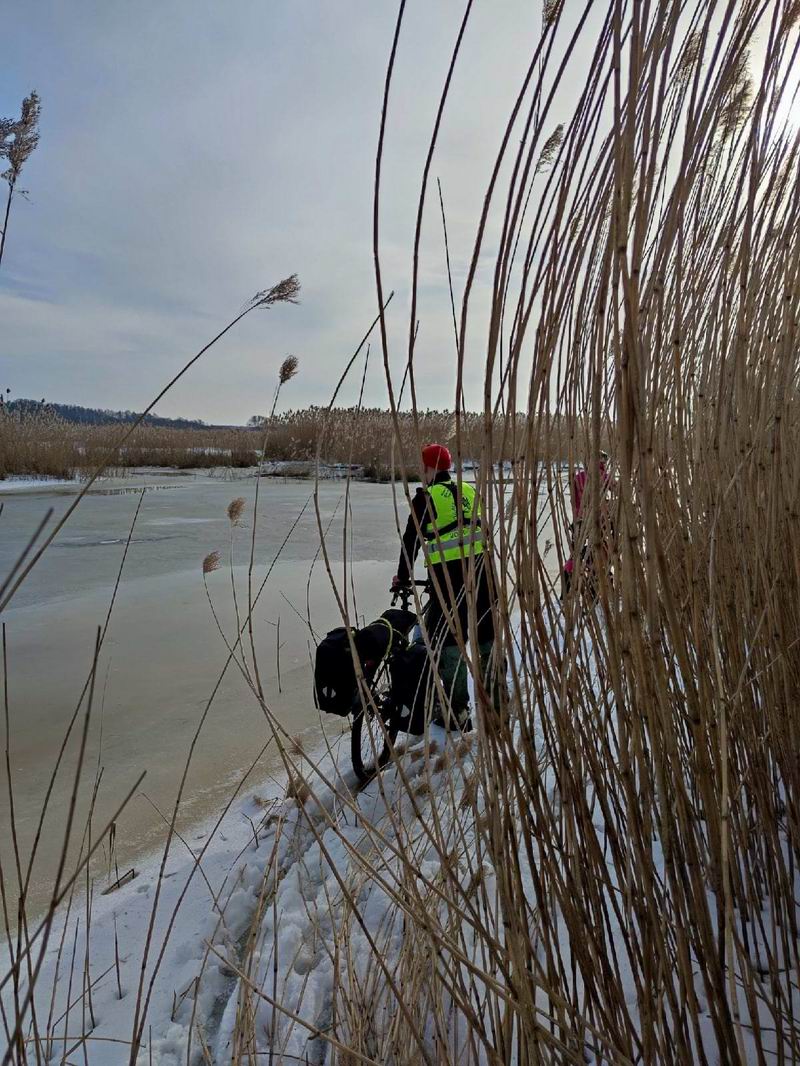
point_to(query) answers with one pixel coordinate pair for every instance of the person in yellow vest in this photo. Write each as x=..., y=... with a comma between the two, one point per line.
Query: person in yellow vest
x=444, y=526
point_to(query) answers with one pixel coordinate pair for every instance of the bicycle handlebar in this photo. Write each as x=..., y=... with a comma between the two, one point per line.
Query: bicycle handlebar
x=403, y=592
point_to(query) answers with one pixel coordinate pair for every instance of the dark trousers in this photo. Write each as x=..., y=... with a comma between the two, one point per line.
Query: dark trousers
x=438, y=616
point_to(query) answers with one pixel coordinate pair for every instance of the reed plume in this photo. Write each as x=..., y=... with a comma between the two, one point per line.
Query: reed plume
x=235, y=510
x=211, y=562
x=18, y=140
x=549, y=149
x=692, y=51
x=737, y=100
x=551, y=9
x=288, y=369
x=286, y=291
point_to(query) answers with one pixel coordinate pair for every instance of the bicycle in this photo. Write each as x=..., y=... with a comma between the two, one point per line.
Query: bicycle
x=376, y=720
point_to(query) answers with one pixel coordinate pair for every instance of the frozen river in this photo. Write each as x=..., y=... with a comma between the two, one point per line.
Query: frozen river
x=163, y=654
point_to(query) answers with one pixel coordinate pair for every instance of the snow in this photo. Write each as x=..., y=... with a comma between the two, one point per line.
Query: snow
x=214, y=882
x=306, y=468
x=26, y=484
x=124, y=915
x=292, y=897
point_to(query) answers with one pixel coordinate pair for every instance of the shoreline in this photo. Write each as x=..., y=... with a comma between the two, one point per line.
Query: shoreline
x=272, y=470
x=163, y=655
x=233, y=802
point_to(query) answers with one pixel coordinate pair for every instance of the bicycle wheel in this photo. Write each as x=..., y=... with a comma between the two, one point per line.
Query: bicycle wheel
x=373, y=730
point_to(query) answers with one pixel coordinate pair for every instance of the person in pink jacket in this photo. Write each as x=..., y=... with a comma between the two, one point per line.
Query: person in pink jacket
x=580, y=484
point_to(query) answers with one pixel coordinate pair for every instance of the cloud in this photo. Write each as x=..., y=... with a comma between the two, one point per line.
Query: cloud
x=193, y=153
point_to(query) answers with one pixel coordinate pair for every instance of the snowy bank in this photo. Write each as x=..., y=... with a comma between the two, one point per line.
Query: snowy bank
x=319, y=920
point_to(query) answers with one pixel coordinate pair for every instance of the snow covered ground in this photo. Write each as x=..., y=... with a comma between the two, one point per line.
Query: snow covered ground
x=202, y=895
x=281, y=931
x=202, y=903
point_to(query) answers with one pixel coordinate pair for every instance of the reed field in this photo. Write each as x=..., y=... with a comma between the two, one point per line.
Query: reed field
x=605, y=869
x=43, y=445
x=370, y=437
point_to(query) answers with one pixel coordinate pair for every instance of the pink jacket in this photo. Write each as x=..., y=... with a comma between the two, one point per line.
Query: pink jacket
x=579, y=483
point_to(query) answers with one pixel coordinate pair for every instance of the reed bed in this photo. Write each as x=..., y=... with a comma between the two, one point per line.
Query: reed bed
x=369, y=437
x=606, y=869
x=618, y=882
x=42, y=445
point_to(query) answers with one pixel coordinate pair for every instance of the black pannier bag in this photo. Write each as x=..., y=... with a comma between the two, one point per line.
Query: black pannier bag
x=401, y=621
x=334, y=676
x=413, y=689
x=385, y=634
x=335, y=686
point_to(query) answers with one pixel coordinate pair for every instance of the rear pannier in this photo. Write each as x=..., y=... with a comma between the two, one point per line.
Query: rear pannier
x=413, y=689
x=334, y=676
x=335, y=688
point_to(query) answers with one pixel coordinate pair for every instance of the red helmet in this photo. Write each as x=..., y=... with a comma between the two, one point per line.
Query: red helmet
x=437, y=457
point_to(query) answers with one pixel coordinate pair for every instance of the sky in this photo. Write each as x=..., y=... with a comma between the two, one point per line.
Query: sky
x=194, y=152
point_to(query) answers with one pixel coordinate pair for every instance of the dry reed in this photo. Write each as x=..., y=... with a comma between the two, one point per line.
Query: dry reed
x=627, y=879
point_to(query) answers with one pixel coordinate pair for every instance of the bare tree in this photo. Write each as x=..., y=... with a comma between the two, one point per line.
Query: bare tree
x=18, y=139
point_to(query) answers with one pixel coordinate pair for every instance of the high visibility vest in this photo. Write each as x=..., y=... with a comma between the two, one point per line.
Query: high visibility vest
x=452, y=535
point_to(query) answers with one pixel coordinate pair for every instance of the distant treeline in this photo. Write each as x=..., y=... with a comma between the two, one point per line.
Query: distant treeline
x=95, y=416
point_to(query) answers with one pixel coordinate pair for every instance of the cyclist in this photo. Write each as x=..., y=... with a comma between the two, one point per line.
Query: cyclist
x=453, y=547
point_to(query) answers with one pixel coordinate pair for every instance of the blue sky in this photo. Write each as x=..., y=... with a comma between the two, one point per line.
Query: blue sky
x=194, y=152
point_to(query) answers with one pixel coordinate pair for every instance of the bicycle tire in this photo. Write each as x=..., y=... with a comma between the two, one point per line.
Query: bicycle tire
x=364, y=743
x=371, y=738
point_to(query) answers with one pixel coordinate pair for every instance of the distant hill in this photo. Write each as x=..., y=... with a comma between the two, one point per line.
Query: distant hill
x=95, y=416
